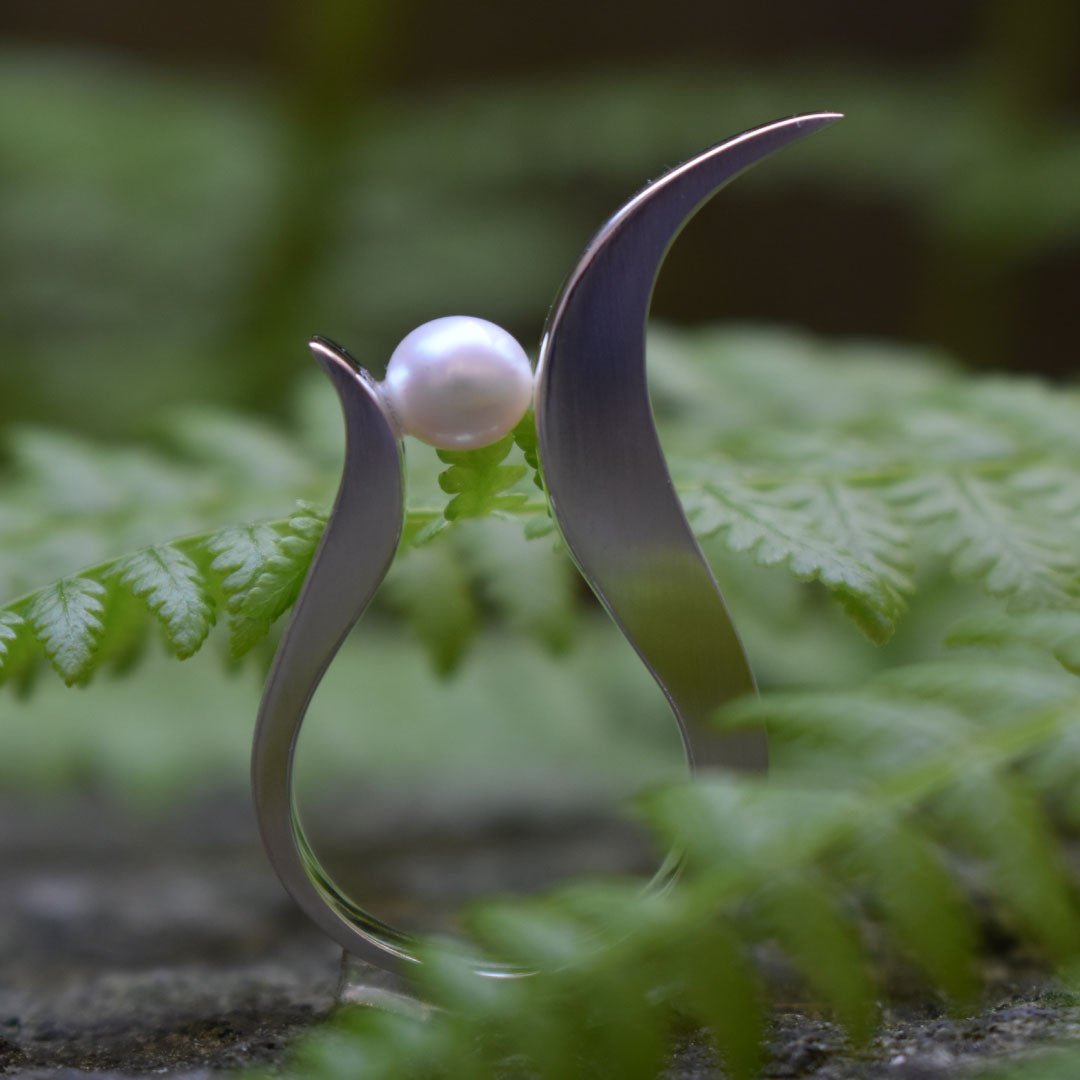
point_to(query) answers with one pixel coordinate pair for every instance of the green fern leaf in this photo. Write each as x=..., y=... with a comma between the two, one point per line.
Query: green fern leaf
x=921, y=904
x=66, y=618
x=530, y=937
x=10, y=622
x=19, y=651
x=721, y=989
x=749, y=841
x=861, y=523
x=539, y=525
x=990, y=532
x=901, y=742
x=20, y=661
x=525, y=438
x=172, y=587
x=479, y=481
x=549, y=938
x=1055, y=632
x=806, y=917
x=775, y=528
x=1036, y=413
x=262, y=570
x=240, y=554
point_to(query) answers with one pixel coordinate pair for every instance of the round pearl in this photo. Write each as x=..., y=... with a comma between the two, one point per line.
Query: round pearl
x=458, y=383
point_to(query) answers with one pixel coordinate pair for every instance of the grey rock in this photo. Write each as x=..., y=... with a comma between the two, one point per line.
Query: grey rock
x=135, y=944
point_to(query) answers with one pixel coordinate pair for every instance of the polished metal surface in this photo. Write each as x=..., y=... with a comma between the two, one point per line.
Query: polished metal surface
x=605, y=473
x=610, y=493
x=353, y=557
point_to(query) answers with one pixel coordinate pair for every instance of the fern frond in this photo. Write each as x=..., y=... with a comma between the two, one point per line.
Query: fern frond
x=807, y=471
x=10, y=622
x=764, y=864
x=526, y=440
x=988, y=529
x=263, y=568
x=778, y=525
x=919, y=739
x=479, y=481
x=1053, y=632
x=96, y=616
x=19, y=651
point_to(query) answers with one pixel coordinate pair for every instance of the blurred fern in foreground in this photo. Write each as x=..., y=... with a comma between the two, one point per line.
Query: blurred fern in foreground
x=901, y=817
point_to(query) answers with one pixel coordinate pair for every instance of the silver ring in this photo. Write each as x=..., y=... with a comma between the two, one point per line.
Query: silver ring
x=609, y=491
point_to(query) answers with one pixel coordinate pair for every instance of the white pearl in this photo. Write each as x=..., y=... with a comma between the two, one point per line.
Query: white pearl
x=458, y=383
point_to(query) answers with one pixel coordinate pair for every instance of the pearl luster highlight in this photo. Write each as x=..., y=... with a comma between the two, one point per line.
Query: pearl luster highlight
x=458, y=383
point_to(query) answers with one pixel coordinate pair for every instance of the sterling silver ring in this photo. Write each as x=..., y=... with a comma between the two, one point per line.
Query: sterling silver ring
x=609, y=492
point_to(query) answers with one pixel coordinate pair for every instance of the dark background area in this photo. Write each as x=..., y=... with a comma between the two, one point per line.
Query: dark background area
x=406, y=160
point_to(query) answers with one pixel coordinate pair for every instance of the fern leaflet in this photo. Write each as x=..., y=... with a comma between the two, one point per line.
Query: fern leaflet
x=778, y=526
x=988, y=531
x=479, y=481
x=167, y=580
x=1054, y=632
x=66, y=620
x=813, y=474
x=264, y=568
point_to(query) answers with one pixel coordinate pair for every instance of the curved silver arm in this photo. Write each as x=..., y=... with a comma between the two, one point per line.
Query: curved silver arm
x=352, y=559
x=605, y=473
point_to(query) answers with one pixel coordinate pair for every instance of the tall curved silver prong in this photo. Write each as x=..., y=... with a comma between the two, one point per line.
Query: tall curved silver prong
x=605, y=473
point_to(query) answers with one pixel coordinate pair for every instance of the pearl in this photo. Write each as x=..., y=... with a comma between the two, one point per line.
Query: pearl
x=458, y=383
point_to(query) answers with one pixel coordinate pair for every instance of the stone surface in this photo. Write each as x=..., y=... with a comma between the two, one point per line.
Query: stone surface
x=133, y=946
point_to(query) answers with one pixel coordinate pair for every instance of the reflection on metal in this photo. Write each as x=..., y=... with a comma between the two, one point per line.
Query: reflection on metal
x=609, y=491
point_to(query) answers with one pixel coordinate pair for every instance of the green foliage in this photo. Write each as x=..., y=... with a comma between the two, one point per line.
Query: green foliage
x=262, y=570
x=1055, y=632
x=479, y=481
x=898, y=812
x=66, y=619
x=860, y=847
x=169, y=583
x=430, y=588
x=782, y=450
x=985, y=525
x=829, y=531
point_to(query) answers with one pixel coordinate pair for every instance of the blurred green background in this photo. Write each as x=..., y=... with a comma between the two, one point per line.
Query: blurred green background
x=187, y=192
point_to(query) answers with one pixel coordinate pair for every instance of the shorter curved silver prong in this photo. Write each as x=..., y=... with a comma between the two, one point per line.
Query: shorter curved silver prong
x=357, y=547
